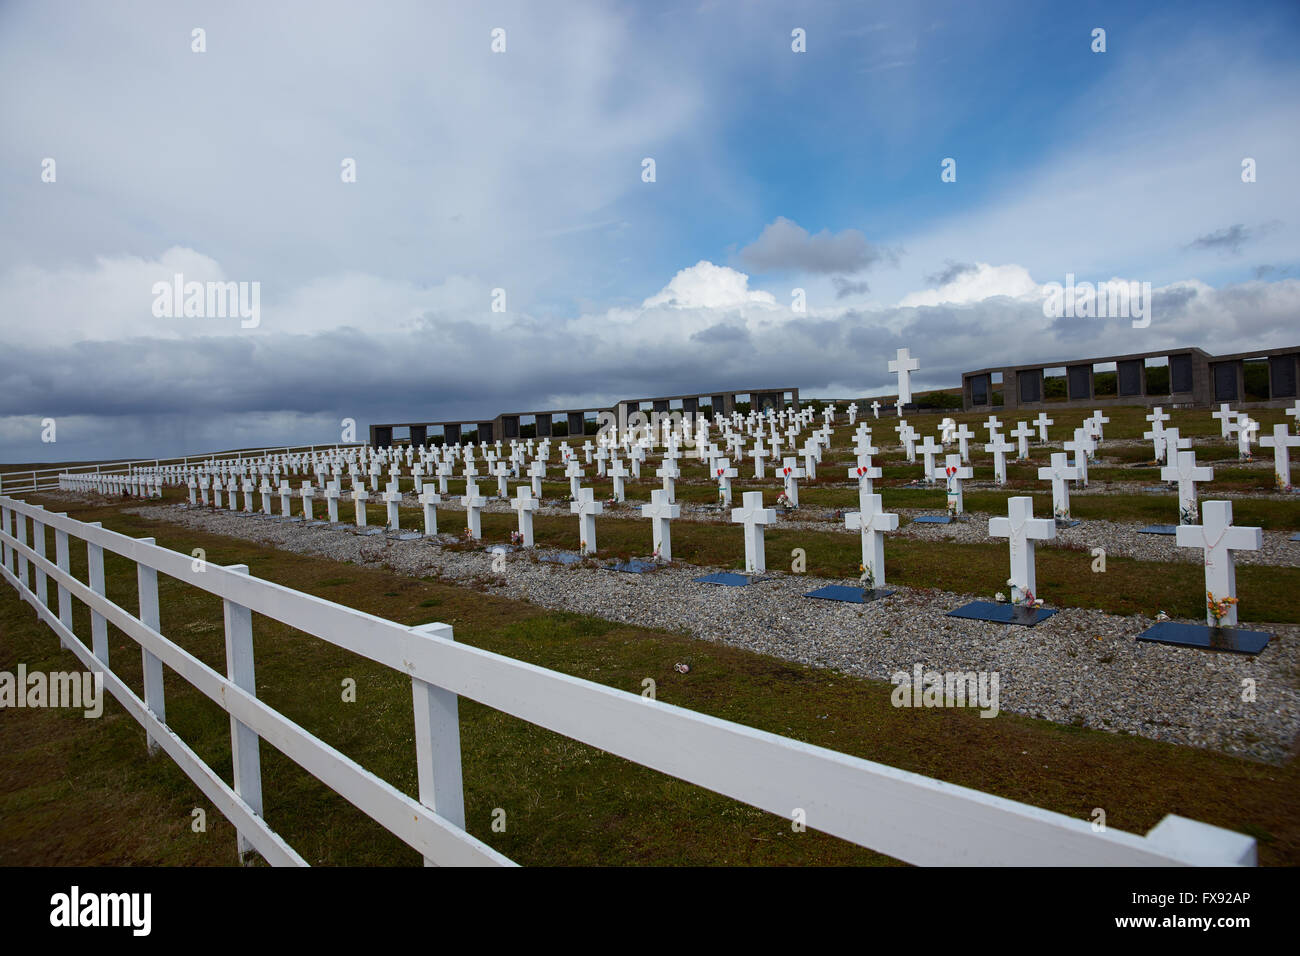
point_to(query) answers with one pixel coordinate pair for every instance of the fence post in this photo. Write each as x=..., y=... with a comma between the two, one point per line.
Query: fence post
x=65, y=565
x=20, y=520
x=38, y=545
x=244, y=743
x=147, y=586
x=7, y=525
x=437, y=745
x=98, y=625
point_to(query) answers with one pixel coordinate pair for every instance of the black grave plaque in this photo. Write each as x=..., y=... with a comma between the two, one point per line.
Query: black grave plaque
x=1281, y=376
x=1030, y=385
x=1180, y=373
x=1079, y=380
x=1225, y=382
x=1130, y=375
x=979, y=390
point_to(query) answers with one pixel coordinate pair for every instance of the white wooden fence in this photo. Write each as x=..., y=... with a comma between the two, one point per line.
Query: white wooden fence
x=903, y=815
x=44, y=479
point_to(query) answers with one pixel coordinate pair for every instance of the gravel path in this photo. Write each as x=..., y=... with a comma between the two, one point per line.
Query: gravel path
x=1078, y=667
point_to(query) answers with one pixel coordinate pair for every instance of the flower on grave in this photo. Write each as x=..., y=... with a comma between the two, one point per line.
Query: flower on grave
x=682, y=668
x=611, y=501
x=1281, y=485
x=1220, y=607
x=1000, y=597
x=1187, y=515
x=1061, y=513
x=1161, y=616
x=516, y=537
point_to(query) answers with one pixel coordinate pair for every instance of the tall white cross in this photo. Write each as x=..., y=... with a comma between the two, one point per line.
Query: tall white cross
x=536, y=472
x=619, y=474
x=1021, y=434
x=1217, y=537
x=359, y=496
x=790, y=475
x=1021, y=529
x=953, y=471
x=1079, y=445
x=1187, y=473
x=525, y=504
x=1099, y=420
x=473, y=503
x=999, y=447
x=904, y=366
x=1281, y=442
x=669, y=472
x=754, y=516
x=872, y=521
x=586, y=507
x=1226, y=416
x=308, y=490
x=964, y=435
x=429, y=501
x=1060, y=473
x=1042, y=421
x=1246, y=427
x=723, y=473
x=928, y=449
x=863, y=475
x=332, y=494
x=392, y=498
x=993, y=426
x=758, y=453
x=875, y=409
x=661, y=511
x=574, y=473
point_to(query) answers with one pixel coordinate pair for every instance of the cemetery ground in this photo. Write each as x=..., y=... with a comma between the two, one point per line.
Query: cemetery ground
x=80, y=791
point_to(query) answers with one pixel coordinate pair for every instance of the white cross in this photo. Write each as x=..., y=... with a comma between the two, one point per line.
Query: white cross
x=661, y=511
x=429, y=501
x=619, y=474
x=392, y=498
x=928, y=449
x=669, y=472
x=964, y=435
x=1187, y=474
x=332, y=494
x=875, y=409
x=574, y=473
x=999, y=447
x=1021, y=434
x=1217, y=537
x=754, y=516
x=502, y=472
x=992, y=425
x=1293, y=411
x=473, y=503
x=953, y=472
x=194, y=490
x=1021, y=528
x=1042, y=421
x=1079, y=446
x=723, y=472
x=359, y=496
x=286, y=499
x=525, y=504
x=586, y=507
x=1059, y=472
x=853, y=412
x=872, y=522
x=249, y=489
x=1099, y=419
x=863, y=475
x=790, y=474
x=537, y=471
x=904, y=365
x=810, y=459
x=1245, y=428
x=1225, y=415
x=1281, y=442
x=758, y=453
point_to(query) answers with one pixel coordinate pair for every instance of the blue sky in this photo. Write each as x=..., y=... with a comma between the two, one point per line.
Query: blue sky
x=521, y=171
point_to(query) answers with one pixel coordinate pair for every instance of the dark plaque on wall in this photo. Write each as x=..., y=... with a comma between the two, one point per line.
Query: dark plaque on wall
x=1282, y=376
x=1225, y=382
x=979, y=390
x=1030, y=388
x=1079, y=379
x=1180, y=373
x=1130, y=377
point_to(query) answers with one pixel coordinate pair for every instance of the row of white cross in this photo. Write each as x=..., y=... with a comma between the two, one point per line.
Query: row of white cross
x=1216, y=536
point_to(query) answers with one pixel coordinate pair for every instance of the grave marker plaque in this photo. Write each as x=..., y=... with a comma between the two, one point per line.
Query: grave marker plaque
x=1281, y=376
x=1079, y=381
x=576, y=426
x=979, y=390
x=1030, y=384
x=1180, y=373
x=1225, y=382
x=1129, y=375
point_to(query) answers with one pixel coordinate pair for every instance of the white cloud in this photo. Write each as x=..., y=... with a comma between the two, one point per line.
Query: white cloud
x=706, y=286
x=983, y=282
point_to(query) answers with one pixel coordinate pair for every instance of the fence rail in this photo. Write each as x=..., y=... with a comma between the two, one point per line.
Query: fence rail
x=904, y=815
x=44, y=479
